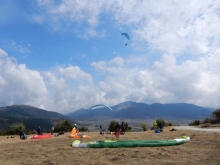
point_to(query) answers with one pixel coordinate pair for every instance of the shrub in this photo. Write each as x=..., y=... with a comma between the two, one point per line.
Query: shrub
x=83, y=129
x=17, y=128
x=160, y=120
x=63, y=125
x=196, y=122
x=216, y=114
x=144, y=126
x=168, y=124
x=206, y=120
x=111, y=126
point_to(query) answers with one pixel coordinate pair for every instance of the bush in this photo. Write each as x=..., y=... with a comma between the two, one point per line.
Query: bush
x=216, y=114
x=168, y=124
x=127, y=127
x=83, y=129
x=195, y=123
x=206, y=120
x=160, y=120
x=17, y=128
x=63, y=125
x=112, y=124
x=144, y=126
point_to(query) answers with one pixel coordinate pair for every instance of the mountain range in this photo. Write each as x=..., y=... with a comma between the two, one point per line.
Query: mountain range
x=134, y=110
x=32, y=117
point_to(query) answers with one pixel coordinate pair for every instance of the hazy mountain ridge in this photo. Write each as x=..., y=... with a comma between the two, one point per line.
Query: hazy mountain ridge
x=31, y=116
x=134, y=110
x=29, y=111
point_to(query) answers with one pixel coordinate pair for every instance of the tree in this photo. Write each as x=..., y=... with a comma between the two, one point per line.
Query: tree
x=206, y=120
x=17, y=127
x=111, y=126
x=196, y=122
x=63, y=125
x=127, y=127
x=216, y=114
x=83, y=129
x=144, y=126
x=160, y=120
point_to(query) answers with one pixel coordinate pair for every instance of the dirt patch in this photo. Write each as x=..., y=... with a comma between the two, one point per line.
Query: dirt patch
x=203, y=148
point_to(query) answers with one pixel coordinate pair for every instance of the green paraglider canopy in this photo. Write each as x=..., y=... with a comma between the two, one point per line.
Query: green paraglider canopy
x=131, y=143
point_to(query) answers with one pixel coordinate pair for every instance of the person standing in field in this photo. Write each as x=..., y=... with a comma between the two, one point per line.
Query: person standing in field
x=122, y=128
x=52, y=130
x=117, y=129
x=39, y=131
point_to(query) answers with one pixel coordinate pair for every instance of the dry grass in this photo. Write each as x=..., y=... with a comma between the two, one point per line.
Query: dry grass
x=203, y=148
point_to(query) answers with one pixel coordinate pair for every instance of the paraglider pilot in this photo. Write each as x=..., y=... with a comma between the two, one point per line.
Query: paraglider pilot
x=52, y=130
x=39, y=131
x=117, y=129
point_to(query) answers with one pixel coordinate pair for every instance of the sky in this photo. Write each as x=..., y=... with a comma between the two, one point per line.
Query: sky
x=63, y=55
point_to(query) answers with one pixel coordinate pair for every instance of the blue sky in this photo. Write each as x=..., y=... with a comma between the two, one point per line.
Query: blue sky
x=62, y=55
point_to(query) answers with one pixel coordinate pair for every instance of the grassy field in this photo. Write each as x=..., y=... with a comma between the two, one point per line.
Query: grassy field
x=203, y=148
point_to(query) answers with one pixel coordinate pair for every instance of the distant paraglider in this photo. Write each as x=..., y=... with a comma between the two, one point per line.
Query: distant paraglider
x=127, y=36
x=100, y=105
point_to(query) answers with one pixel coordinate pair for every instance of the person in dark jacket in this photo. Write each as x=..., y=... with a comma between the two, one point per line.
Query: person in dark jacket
x=117, y=129
x=122, y=128
x=39, y=131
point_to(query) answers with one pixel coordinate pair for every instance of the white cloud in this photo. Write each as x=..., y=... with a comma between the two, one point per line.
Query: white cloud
x=66, y=89
x=20, y=47
x=91, y=32
x=19, y=84
x=118, y=61
x=62, y=15
x=75, y=73
x=3, y=53
x=174, y=27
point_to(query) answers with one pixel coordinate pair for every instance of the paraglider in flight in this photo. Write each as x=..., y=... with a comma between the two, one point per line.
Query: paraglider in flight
x=100, y=105
x=127, y=36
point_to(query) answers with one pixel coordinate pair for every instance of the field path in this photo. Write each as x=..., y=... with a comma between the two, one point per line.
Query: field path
x=197, y=129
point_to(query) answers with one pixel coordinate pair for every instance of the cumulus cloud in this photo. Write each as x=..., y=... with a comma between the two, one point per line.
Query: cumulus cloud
x=164, y=82
x=18, y=84
x=65, y=89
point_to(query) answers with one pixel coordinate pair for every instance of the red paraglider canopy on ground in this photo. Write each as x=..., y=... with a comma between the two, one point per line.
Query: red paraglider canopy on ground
x=43, y=136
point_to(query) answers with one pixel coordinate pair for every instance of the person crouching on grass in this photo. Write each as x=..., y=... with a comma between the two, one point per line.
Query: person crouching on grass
x=117, y=129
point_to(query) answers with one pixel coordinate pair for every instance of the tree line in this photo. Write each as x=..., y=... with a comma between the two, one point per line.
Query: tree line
x=213, y=119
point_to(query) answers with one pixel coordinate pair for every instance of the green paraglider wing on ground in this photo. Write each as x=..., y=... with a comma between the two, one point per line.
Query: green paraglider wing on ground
x=131, y=143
